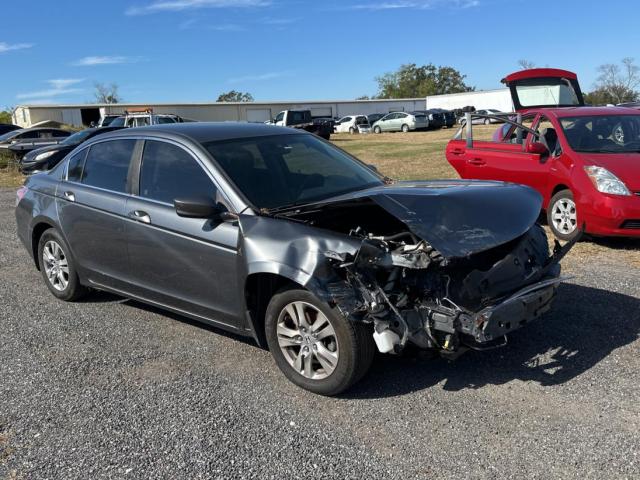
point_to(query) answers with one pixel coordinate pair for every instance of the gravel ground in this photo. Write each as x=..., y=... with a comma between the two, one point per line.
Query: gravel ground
x=109, y=388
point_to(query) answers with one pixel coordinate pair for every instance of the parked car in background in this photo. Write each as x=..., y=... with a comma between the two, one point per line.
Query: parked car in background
x=302, y=120
x=483, y=120
x=352, y=124
x=449, y=116
x=106, y=120
x=374, y=117
x=24, y=140
x=584, y=161
x=142, y=118
x=401, y=122
x=8, y=127
x=271, y=232
x=435, y=119
x=46, y=158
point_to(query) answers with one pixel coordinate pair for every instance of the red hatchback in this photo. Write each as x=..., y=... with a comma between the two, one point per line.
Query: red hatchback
x=584, y=161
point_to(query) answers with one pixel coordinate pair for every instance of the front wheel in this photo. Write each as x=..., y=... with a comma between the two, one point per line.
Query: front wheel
x=351, y=130
x=562, y=215
x=314, y=346
x=377, y=130
x=487, y=121
x=405, y=128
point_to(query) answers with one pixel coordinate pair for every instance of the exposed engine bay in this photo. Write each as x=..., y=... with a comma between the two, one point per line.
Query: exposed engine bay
x=412, y=293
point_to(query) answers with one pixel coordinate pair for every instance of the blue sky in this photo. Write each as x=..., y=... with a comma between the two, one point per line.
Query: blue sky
x=192, y=50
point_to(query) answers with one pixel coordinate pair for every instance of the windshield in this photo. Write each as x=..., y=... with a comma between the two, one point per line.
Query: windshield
x=287, y=170
x=9, y=135
x=78, y=137
x=117, y=122
x=603, y=133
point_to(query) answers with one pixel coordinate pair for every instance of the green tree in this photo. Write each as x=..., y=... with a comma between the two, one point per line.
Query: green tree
x=616, y=83
x=107, y=93
x=234, y=96
x=5, y=117
x=411, y=81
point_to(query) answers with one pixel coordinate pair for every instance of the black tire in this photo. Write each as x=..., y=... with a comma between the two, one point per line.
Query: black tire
x=351, y=130
x=557, y=206
x=377, y=129
x=405, y=128
x=355, y=343
x=73, y=289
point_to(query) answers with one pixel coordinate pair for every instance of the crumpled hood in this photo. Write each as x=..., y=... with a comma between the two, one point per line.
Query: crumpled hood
x=458, y=217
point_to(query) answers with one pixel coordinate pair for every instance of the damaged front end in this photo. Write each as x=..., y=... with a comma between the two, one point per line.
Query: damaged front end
x=413, y=294
x=401, y=282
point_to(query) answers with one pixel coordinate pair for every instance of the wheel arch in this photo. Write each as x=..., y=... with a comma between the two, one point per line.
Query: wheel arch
x=40, y=226
x=558, y=188
x=259, y=288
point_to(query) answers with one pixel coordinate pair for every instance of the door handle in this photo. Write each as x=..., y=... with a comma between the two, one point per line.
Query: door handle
x=477, y=161
x=140, y=216
x=70, y=196
x=457, y=151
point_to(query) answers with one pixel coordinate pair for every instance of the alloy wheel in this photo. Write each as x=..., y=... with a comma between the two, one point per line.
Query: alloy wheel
x=564, y=216
x=56, y=265
x=307, y=340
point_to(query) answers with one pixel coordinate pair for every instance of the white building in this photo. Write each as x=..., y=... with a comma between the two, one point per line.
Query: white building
x=84, y=114
x=499, y=99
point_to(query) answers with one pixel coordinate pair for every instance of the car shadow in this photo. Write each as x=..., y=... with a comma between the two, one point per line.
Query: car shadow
x=584, y=326
x=615, y=243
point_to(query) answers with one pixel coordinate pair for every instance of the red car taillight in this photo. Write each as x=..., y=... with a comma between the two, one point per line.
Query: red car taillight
x=20, y=194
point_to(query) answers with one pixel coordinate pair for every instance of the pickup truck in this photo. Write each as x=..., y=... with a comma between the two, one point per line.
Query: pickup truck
x=302, y=120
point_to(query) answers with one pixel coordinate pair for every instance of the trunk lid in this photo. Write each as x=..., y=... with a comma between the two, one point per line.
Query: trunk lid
x=544, y=87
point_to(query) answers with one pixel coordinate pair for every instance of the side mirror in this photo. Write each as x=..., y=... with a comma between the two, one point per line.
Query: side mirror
x=537, y=148
x=202, y=207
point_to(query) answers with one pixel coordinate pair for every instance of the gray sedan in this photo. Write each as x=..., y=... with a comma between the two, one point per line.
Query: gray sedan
x=277, y=234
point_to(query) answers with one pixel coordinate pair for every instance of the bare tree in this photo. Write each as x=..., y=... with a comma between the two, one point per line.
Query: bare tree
x=107, y=93
x=619, y=82
x=526, y=64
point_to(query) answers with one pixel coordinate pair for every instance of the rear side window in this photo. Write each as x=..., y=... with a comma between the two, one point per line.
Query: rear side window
x=169, y=172
x=76, y=163
x=107, y=164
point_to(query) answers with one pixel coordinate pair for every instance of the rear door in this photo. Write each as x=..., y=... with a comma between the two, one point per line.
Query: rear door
x=189, y=264
x=91, y=202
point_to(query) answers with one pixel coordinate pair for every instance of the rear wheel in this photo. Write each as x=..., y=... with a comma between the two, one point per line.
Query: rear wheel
x=377, y=129
x=314, y=346
x=58, y=268
x=352, y=130
x=562, y=215
x=487, y=121
x=405, y=128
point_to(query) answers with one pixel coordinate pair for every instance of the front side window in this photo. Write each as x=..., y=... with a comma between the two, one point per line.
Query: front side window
x=107, y=164
x=280, y=117
x=169, y=172
x=603, y=133
x=283, y=170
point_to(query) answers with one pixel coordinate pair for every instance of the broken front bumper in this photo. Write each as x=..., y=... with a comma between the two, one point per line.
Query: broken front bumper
x=495, y=321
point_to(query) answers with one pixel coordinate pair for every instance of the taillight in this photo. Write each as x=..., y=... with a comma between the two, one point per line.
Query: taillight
x=22, y=191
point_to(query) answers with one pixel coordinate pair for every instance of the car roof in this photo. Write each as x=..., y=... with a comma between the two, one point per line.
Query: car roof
x=581, y=111
x=206, y=131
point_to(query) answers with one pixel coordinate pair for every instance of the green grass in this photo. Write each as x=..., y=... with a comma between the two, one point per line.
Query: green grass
x=407, y=156
x=10, y=176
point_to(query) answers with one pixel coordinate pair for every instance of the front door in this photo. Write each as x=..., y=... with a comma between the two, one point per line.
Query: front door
x=189, y=264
